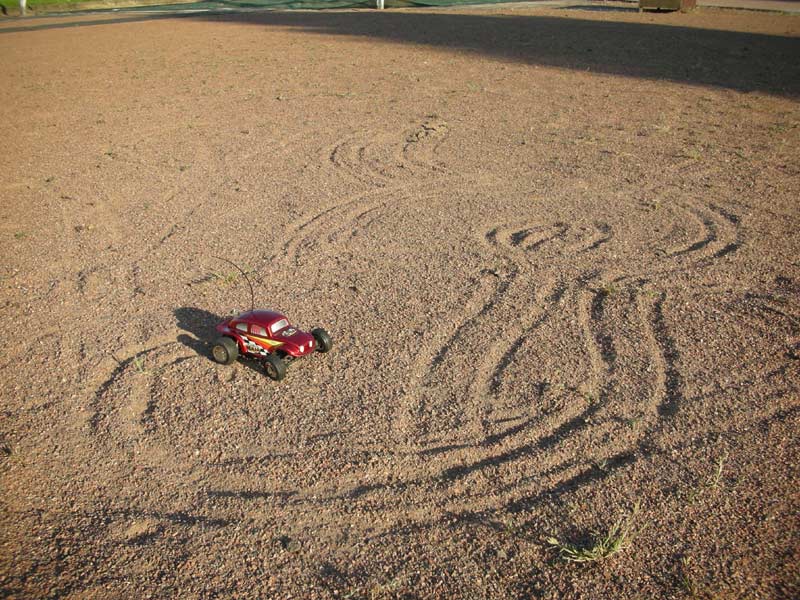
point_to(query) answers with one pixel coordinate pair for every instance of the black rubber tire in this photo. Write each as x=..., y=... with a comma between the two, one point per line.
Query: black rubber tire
x=225, y=351
x=323, y=339
x=274, y=367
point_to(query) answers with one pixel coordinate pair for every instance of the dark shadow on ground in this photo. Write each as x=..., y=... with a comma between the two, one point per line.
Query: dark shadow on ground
x=739, y=61
x=199, y=324
x=733, y=60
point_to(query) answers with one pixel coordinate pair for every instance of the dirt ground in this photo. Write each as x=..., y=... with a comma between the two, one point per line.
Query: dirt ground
x=557, y=251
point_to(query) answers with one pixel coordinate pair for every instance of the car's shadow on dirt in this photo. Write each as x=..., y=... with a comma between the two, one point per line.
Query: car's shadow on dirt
x=199, y=325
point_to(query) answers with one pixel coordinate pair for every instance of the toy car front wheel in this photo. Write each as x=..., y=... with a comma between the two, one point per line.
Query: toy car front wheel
x=274, y=367
x=323, y=339
x=225, y=351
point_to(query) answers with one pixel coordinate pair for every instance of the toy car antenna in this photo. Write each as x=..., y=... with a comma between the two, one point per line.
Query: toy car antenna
x=238, y=268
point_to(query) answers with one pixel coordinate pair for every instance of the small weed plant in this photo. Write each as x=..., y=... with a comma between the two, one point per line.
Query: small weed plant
x=619, y=536
x=227, y=279
x=716, y=477
x=689, y=583
x=607, y=290
x=712, y=482
x=138, y=364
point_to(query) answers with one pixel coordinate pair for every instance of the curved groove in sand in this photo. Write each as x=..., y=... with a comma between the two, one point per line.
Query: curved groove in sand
x=732, y=221
x=503, y=351
x=104, y=403
x=672, y=390
x=524, y=237
x=709, y=232
x=349, y=155
x=493, y=299
x=371, y=159
x=342, y=217
x=498, y=285
x=604, y=235
x=424, y=142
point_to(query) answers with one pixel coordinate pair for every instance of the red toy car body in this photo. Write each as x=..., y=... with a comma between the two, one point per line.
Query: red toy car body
x=266, y=335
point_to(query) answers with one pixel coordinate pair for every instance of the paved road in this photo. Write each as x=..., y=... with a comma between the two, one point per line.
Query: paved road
x=787, y=6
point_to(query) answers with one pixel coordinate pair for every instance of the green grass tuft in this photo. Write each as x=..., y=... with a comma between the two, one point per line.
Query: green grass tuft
x=138, y=364
x=619, y=536
x=712, y=482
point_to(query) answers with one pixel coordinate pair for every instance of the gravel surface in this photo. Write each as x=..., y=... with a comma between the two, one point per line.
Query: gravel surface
x=557, y=251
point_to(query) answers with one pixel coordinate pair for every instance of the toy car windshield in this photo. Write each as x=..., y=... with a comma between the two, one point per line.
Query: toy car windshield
x=278, y=325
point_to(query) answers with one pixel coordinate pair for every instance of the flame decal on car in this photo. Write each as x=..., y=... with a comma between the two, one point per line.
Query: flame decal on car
x=262, y=341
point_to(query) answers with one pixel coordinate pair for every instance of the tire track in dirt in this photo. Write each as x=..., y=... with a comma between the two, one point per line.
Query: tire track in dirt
x=330, y=221
x=510, y=239
x=555, y=294
x=551, y=435
x=555, y=438
x=519, y=245
x=381, y=160
x=520, y=307
x=499, y=290
x=718, y=229
x=120, y=396
x=733, y=224
x=498, y=286
x=719, y=235
x=350, y=156
x=613, y=335
x=604, y=235
x=552, y=432
x=669, y=379
x=496, y=321
x=666, y=398
x=493, y=289
x=502, y=351
x=770, y=304
x=422, y=145
x=516, y=244
x=668, y=394
x=449, y=494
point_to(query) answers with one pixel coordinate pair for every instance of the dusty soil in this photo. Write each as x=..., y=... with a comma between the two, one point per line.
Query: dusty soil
x=557, y=250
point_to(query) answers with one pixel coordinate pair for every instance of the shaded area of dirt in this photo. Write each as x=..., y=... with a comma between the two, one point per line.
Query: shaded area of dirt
x=560, y=283
x=641, y=48
x=737, y=60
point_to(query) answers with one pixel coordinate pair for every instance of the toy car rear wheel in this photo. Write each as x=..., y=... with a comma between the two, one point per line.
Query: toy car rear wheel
x=323, y=339
x=274, y=367
x=225, y=351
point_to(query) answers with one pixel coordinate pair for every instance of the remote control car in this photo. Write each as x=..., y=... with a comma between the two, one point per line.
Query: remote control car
x=267, y=336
